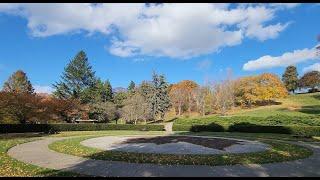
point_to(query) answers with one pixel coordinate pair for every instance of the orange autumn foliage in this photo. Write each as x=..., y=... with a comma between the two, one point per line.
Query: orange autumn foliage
x=261, y=89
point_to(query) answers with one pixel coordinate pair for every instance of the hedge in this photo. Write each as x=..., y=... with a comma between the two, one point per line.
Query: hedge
x=294, y=130
x=21, y=128
x=252, y=128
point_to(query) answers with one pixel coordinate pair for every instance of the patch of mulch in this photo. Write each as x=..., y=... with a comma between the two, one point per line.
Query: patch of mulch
x=214, y=143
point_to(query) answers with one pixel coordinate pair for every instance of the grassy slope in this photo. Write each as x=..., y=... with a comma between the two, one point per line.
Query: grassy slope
x=302, y=109
x=294, y=105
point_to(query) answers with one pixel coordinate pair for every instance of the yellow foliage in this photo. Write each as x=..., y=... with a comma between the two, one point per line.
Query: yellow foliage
x=262, y=88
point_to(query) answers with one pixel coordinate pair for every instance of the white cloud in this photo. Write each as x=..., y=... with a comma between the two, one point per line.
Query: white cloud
x=173, y=30
x=313, y=67
x=43, y=89
x=288, y=58
x=204, y=64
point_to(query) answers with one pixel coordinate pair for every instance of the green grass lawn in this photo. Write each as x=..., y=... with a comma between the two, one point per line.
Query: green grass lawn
x=294, y=105
x=10, y=167
x=302, y=109
x=279, y=152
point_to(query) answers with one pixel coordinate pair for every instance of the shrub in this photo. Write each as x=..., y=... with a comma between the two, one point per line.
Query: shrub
x=305, y=131
x=211, y=127
x=22, y=128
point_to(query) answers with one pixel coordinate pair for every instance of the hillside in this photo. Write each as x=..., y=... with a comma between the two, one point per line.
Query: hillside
x=301, y=109
x=294, y=105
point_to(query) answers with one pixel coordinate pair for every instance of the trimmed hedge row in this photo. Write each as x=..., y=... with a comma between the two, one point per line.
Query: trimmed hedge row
x=21, y=128
x=252, y=128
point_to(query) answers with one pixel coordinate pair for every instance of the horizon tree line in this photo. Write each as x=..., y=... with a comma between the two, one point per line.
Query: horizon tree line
x=80, y=94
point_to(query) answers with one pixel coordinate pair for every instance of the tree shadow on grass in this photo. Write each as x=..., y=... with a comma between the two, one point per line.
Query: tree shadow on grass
x=123, y=169
x=314, y=110
x=316, y=96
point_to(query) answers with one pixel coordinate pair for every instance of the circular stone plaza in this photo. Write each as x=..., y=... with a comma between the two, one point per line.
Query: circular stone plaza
x=170, y=155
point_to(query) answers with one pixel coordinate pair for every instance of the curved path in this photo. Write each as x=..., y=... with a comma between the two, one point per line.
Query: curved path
x=38, y=153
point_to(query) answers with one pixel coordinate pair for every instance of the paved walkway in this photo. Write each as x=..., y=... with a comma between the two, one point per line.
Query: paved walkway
x=38, y=153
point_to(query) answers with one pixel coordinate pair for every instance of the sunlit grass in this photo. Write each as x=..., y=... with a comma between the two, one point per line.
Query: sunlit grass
x=10, y=167
x=279, y=152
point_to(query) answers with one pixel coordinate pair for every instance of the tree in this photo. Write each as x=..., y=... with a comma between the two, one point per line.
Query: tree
x=119, y=99
x=290, y=78
x=261, y=89
x=189, y=90
x=66, y=110
x=310, y=80
x=136, y=109
x=107, y=91
x=103, y=111
x=76, y=78
x=183, y=95
x=131, y=86
x=203, y=96
x=18, y=83
x=178, y=98
x=19, y=107
x=159, y=99
x=223, y=96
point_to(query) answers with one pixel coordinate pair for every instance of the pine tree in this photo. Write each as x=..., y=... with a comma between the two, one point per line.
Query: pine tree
x=131, y=86
x=77, y=78
x=18, y=83
x=107, y=91
x=159, y=99
x=290, y=78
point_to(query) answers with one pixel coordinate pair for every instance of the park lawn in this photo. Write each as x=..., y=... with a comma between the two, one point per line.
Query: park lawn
x=279, y=152
x=10, y=167
x=301, y=109
x=293, y=105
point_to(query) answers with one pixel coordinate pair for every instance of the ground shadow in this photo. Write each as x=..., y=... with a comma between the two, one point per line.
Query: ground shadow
x=214, y=143
x=315, y=110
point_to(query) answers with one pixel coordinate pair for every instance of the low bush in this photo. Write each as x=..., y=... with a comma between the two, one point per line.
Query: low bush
x=46, y=128
x=305, y=131
x=275, y=120
x=211, y=127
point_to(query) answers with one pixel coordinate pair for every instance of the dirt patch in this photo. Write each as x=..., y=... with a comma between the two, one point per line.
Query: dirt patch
x=214, y=143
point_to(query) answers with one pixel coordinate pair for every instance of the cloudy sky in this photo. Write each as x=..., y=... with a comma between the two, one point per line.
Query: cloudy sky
x=127, y=42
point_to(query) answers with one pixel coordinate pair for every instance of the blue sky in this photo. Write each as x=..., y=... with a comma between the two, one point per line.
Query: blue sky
x=171, y=39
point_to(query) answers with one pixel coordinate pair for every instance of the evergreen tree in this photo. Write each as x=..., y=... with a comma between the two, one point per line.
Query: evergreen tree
x=159, y=99
x=131, y=86
x=18, y=83
x=290, y=78
x=77, y=78
x=107, y=91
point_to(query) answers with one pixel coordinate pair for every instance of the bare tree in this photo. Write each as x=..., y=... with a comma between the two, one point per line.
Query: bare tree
x=223, y=94
x=178, y=99
x=136, y=109
x=201, y=94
